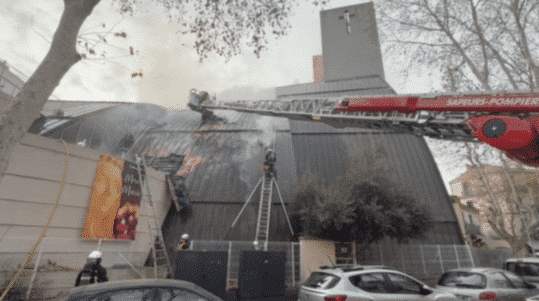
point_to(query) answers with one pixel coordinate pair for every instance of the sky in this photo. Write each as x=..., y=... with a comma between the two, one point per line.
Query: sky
x=171, y=67
x=169, y=64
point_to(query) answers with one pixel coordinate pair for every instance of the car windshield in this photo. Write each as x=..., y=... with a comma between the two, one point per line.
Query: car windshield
x=321, y=280
x=463, y=280
x=523, y=268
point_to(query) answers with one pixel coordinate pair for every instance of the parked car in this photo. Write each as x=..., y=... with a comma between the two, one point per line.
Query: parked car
x=141, y=290
x=471, y=284
x=369, y=283
x=527, y=268
x=534, y=298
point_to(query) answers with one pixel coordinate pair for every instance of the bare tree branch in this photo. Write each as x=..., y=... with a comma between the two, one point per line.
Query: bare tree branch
x=482, y=33
x=420, y=43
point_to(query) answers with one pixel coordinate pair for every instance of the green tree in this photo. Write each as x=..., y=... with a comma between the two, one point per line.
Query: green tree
x=223, y=27
x=361, y=206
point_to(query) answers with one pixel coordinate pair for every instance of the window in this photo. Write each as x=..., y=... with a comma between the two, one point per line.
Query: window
x=180, y=295
x=466, y=190
x=372, y=282
x=515, y=280
x=463, y=280
x=497, y=280
x=127, y=295
x=321, y=280
x=523, y=269
x=400, y=284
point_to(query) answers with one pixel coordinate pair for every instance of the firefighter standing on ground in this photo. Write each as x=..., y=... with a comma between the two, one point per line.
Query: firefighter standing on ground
x=184, y=243
x=92, y=271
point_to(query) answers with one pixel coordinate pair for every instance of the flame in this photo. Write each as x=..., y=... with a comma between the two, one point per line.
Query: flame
x=190, y=162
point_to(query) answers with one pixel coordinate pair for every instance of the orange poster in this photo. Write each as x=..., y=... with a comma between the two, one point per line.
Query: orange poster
x=115, y=201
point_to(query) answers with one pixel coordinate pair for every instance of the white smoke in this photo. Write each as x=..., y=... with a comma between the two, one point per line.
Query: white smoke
x=251, y=156
x=268, y=132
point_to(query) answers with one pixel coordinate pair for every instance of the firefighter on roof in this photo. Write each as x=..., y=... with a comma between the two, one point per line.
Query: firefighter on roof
x=269, y=163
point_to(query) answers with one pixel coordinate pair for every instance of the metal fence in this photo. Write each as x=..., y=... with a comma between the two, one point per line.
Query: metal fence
x=425, y=262
x=234, y=248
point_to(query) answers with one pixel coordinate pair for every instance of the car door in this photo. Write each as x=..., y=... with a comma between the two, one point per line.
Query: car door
x=405, y=288
x=383, y=286
x=504, y=289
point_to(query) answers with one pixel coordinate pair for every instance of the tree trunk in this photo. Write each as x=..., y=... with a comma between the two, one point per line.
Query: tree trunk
x=516, y=212
x=16, y=121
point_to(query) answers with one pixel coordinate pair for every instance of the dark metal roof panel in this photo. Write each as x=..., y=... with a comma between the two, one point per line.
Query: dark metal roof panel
x=214, y=222
x=414, y=169
x=110, y=116
x=67, y=110
x=75, y=108
x=321, y=155
x=222, y=160
x=299, y=127
x=285, y=165
x=370, y=85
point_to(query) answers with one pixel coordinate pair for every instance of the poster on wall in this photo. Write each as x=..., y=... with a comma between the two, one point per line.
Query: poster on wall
x=115, y=202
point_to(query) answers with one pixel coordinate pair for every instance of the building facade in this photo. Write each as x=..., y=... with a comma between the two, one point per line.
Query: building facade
x=511, y=192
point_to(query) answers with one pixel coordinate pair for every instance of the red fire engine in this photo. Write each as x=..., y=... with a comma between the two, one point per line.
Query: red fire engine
x=517, y=136
x=508, y=121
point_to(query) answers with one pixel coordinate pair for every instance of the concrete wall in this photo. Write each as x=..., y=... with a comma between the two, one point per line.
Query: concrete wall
x=27, y=195
x=354, y=53
x=318, y=69
x=314, y=254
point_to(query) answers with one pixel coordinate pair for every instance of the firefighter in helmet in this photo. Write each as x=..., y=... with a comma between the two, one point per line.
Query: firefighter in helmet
x=269, y=162
x=92, y=271
x=184, y=243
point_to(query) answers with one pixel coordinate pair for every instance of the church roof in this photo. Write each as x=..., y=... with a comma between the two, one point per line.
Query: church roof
x=366, y=85
x=222, y=159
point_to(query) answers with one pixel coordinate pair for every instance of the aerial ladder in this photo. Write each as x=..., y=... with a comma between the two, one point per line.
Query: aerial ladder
x=507, y=120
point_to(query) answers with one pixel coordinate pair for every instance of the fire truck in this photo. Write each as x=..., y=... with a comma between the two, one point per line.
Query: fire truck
x=508, y=121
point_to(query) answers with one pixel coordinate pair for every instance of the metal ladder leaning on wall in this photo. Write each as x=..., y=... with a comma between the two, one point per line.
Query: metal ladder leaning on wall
x=161, y=262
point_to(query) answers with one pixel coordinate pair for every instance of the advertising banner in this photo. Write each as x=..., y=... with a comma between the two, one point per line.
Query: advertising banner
x=114, y=206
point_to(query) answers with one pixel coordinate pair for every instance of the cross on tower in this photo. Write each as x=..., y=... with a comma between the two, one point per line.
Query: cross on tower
x=347, y=17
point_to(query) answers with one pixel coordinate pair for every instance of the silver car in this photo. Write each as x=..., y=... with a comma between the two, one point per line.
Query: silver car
x=534, y=298
x=474, y=284
x=366, y=283
x=141, y=290
x=527, y=268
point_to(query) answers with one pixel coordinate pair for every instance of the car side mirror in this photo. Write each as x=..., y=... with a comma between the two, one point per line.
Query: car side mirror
x=425, y=290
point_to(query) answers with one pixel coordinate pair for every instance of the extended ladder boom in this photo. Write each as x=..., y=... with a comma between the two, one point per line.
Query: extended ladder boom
x=437, y=116
x=493, y=103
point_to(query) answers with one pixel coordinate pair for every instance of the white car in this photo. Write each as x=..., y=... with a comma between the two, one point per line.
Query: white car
x=478, y=284
x=526, y=268
x=367, y=283
x=141, y=290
